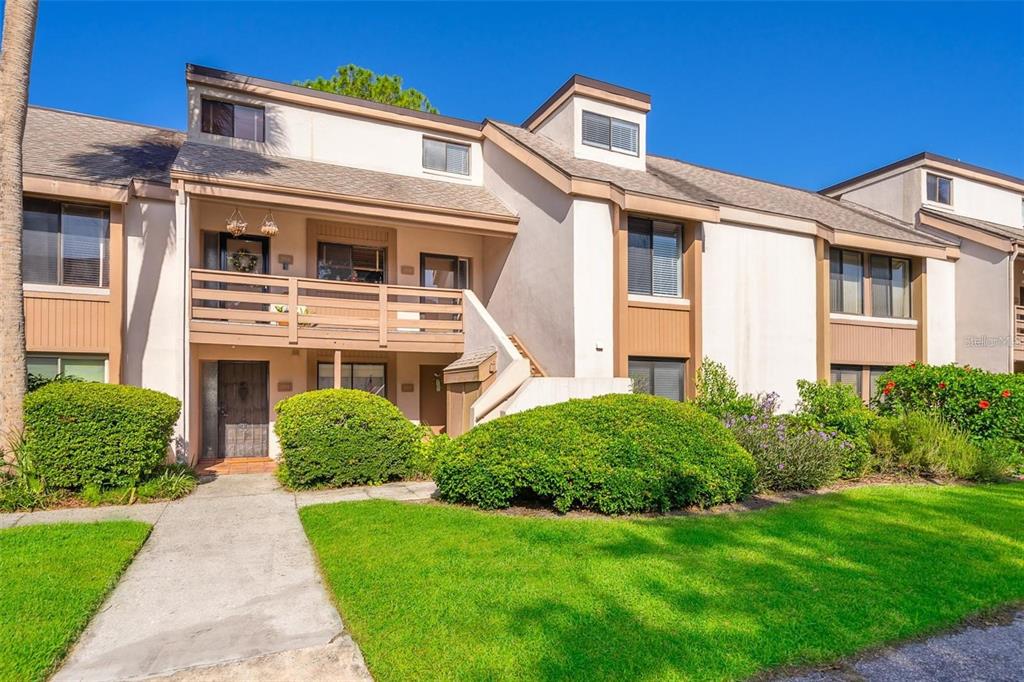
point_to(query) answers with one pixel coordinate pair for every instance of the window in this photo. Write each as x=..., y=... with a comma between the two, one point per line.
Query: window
x=890, y=287
x=655, y=258
x=873, y=375
x=65, y=244
x=657, y=377
x=364, y=377
x=846, y=275
x=940, y=189
x=611, y=133
x=449, y=157
x=443, y=272
x=232, y=120
x=87, y=368
x=849, y=375
x=345, y=263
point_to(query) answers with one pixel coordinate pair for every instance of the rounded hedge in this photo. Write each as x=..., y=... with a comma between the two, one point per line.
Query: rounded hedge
x=82, y=433
x=340, y=436
x=615, y=454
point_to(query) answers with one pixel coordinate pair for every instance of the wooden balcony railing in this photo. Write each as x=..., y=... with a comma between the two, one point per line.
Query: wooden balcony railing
x=263, y=310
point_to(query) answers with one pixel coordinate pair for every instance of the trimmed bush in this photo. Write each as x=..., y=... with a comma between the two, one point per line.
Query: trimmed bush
x=615, y=454
x=835, y=408
x=981, y=404
x=718, y=393
x=82, y=433
x=340, y=436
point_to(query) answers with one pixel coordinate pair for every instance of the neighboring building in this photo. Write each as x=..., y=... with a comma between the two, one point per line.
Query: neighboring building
x=981, y=211
x=461, y=269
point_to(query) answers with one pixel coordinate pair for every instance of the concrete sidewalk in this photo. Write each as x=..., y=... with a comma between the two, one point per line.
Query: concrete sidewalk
x=227, y=576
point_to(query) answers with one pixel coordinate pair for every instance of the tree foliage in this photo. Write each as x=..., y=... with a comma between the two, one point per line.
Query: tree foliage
x=356, y=81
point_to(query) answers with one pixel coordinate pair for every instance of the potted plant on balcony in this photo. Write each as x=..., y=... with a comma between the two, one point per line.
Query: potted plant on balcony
x=283, y=308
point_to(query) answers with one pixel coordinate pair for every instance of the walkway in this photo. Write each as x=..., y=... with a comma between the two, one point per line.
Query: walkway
x=226, y=576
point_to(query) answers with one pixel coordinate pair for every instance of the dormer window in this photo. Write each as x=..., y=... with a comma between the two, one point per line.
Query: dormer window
x=940, y=189
x=448, y=157
x=232, y=120
x=610, y=133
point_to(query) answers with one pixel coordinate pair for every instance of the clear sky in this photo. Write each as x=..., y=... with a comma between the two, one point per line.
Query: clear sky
x=805, y=94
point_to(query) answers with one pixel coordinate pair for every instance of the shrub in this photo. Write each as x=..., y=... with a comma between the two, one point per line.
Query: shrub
x=718, y=394
x=981, y=404
x=81, y=433
x=37, y=381
x=615, y=454
x=789, y=455
x=919, y=443
x=835, y=408
x=339, y=436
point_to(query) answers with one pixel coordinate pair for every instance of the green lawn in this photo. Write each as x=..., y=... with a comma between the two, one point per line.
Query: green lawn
x=52, y=579
x=436, y=592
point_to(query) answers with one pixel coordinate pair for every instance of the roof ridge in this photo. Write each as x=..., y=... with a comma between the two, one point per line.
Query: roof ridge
x=108, y=119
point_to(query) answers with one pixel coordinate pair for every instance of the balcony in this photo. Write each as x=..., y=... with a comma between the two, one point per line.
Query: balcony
x=264, y=310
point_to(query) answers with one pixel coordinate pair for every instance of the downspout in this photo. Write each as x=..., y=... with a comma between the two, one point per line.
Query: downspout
x=1013, y=310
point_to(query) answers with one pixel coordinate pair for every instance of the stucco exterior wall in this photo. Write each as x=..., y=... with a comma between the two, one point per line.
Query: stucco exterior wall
x=979, y=200
x=583, y=151
x=560, y=126
x=983, y=308
x=330, y=137
x=897, y=195
x=593, y=288
x=153, y=352
x=758, y=307
x=941, y=302
x=529, y=281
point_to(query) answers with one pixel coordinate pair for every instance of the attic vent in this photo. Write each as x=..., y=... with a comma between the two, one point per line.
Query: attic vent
x=611, y=133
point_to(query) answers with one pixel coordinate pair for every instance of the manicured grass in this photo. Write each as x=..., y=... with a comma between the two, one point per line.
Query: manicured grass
x=435, y=592
x=52, y=579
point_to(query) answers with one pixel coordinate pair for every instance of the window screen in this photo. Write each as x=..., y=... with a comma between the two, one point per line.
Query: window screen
x=657, y=377
x=940, y=189
x=369, y=377
x=890, y=287
x=233, y=120
x=65, y=244
x=846, y=287
x=611, y=133
x=86, y=368
x=655, y=257
x=449, y=157
x=849, y=375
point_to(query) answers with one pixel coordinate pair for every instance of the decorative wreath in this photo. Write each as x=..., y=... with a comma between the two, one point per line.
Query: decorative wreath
x=243, y=260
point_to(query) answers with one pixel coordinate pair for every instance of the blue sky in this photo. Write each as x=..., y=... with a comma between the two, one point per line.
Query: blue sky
x=804, y=94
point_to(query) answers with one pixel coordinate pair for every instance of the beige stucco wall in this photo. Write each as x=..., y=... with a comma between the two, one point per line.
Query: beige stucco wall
x=593, y=289
x=942, y=322
x=978, y=200
x=758, y=307
x=331, y=137
x=897, y=195
x=983, y=308
x=528, y=285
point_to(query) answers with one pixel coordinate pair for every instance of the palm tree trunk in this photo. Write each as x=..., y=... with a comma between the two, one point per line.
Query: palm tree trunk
x=15, y=58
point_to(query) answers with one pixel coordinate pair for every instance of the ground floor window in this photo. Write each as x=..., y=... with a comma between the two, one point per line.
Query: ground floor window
x=656, y=376
x=863, y=379
x=369, y=377
x=85, y=367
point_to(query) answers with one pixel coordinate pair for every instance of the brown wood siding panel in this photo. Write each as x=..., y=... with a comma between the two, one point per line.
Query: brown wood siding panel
x=657, y=332
x=859, y=344
x=66, y=324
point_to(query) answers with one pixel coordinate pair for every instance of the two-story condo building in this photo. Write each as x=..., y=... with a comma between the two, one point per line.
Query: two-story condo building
x=981, y=211
x=291, y=239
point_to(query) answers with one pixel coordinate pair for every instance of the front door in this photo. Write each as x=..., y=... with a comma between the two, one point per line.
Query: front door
x=242, y=424
x=433, y=398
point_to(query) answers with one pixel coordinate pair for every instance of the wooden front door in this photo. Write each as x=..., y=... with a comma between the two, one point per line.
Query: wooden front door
x=242, y=424
x=433, y=398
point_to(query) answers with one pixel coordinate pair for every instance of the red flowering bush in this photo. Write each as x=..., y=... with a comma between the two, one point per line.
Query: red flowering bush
x=981, y=404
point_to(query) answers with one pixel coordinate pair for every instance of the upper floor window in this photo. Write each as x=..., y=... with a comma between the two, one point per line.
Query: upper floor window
x=611, y=133
x=655, y=258
x=846, y=281
x=232, y=120
x=888, y=284
x=449, y=157
x=940, y=189
x=65, y=244
x=890, y=287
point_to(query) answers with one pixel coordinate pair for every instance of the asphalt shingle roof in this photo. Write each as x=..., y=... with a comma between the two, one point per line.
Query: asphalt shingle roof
x=679, y=180
x=287, y=173
x=983, y=225
x=62, y=144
